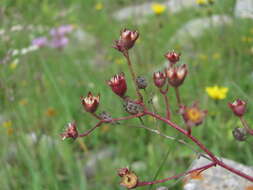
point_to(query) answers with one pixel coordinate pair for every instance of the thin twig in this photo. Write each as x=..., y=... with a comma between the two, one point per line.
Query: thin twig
x=110, y=121
x=176, y=176
x=178, y=96
x=133, y=75
x=202, y=146
x=164, y=93
x=181, y=141
x=246, y=126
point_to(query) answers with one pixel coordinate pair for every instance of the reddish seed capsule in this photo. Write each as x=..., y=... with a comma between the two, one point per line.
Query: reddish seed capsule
x=238, y=107
x=71, y=131
x=90, y=103
x=118, y=84
x=176, y=75
x=127, y=40
x=173, y=57
x=159, y=79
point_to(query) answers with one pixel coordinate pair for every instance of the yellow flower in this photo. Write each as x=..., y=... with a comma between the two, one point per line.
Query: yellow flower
x=23, y=102
x=7, y=124
x=216, y=92
x=14, y=64
x=10, y=131
x=50, y=112
x=99, y=6
x=105, y=128
x=158, y=8
x=216, y=56
x=119, y=61
x=201, y=2
x=203, y=57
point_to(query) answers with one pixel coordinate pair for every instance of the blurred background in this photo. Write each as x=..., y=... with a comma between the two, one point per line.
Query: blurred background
x=53, y=52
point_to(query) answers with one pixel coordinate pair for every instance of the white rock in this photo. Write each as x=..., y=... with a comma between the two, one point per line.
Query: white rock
x=197, y=27
x=82, y=36
x=141, y=10
x=219, y=178
x=244, y=9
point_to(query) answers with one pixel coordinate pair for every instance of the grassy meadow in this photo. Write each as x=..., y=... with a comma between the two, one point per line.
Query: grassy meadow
x=40, y=93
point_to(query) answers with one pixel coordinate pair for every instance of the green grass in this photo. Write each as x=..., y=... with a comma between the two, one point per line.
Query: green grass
x=56, y=79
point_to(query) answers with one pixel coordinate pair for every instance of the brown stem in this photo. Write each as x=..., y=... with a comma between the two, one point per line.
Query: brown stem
x=178, y=96
x=176, y=176
x=110, y=121
x=133, y=75
x=164, y=93
x=246, y=126
x=200, y=145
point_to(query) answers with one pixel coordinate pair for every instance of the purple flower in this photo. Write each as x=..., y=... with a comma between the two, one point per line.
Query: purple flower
x=40, y=42
x=59, y=42
x=61, y=30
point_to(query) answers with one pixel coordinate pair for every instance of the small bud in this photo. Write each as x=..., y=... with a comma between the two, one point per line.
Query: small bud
x=127, y=40
x=193, y=116
x=176, y=75
x=238, y=107
x=70, y=132
x=118, y=84
x=90, y=103
x=173, y=57
x=159, y=79
x=240, y=134
x=128, y=178
x=133, y=107
x=141, y=82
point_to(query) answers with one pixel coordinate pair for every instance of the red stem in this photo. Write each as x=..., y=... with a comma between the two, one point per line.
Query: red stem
x=110, y=121
x=176, y=176
x=246, y=126
x=133, y=75
x=164, y=93
x=197, y=142
x=178, y=96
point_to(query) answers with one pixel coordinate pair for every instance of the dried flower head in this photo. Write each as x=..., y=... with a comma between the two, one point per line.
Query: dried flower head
x=70, y=132
x=176, y=74
x=141, y=82
x=240, y=134
x=193, y=115
x=128, y=178
x=127, y=40
x=106, y=116
x=118, y=84
x=159, y=79
x=133, y=107
x=90, y=102
x=238, y=107
x=173, y=57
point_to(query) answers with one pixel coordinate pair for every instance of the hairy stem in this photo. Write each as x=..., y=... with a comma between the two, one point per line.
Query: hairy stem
x=178, y=96
x=246, y=126
x=133, y=75
x=164, y=93
x=181, y=141
x=201, y=146
x=110, y=121
x=176, y=176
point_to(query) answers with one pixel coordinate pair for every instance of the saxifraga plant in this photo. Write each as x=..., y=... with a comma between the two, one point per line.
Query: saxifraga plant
x=173, y=76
